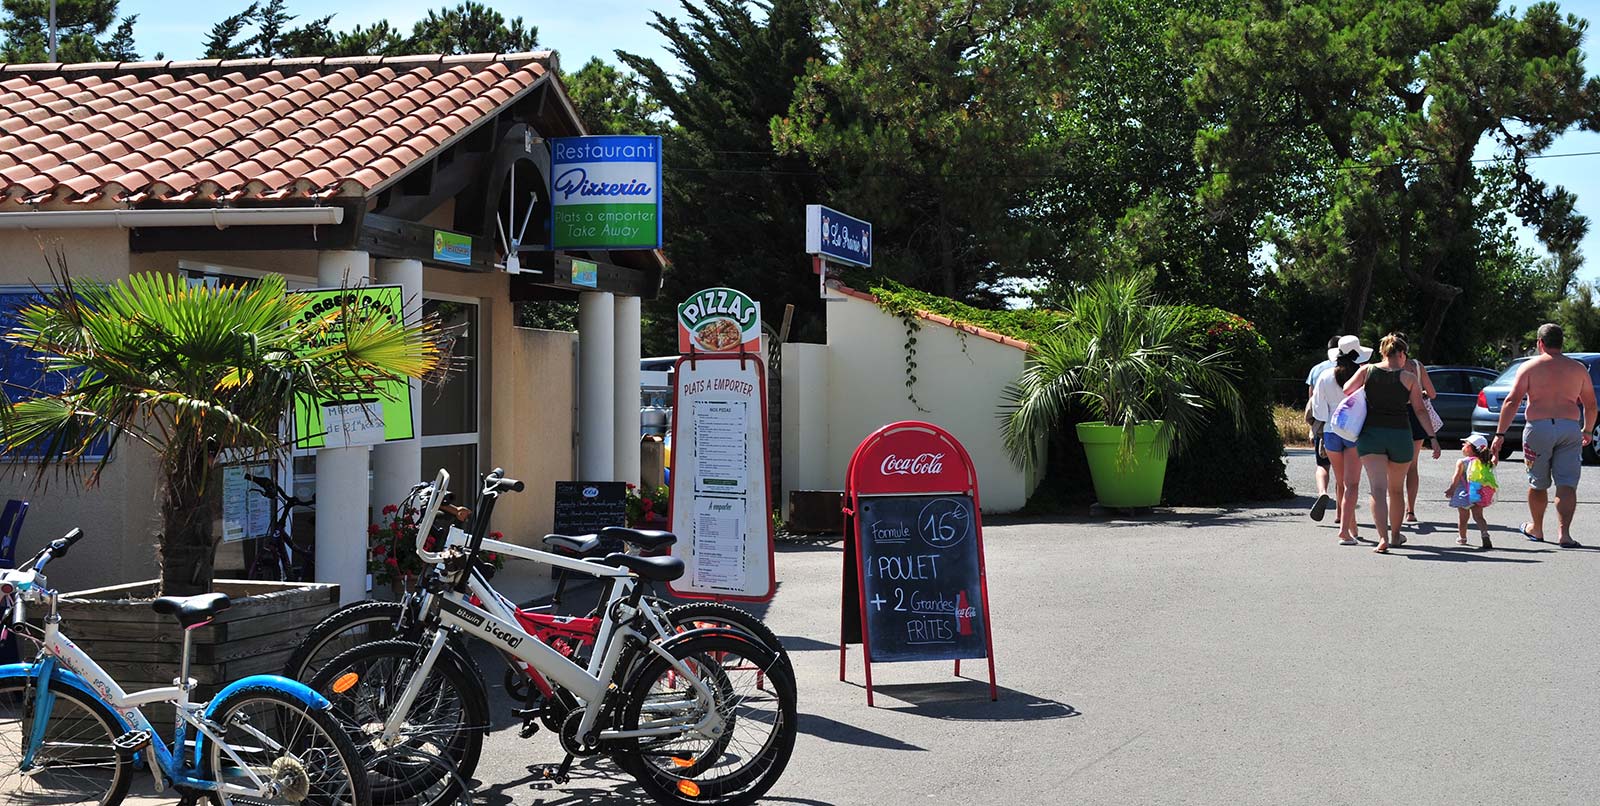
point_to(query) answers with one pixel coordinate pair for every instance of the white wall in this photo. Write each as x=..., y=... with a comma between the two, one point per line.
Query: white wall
x=860, y=379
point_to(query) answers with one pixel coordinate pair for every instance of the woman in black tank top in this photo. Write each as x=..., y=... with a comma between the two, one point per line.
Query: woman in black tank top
x=1385, y=446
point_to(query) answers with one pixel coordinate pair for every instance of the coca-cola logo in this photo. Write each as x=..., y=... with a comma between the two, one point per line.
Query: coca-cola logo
x=924, y=464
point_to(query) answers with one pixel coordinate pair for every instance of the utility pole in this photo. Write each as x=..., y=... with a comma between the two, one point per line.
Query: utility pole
x=52, y=31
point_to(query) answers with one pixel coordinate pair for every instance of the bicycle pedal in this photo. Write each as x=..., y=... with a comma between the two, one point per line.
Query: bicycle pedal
x=529, y=727
x=131, y=742
x=552, y=775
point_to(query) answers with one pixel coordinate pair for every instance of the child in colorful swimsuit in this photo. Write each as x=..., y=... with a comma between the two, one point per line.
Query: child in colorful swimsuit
x=1469, y=496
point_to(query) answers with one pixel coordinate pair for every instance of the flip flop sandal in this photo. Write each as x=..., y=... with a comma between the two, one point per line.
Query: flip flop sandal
x=1570, y=544
x=1348, y=542
x=1461, y=541
x=1526, y=528
x=1320, y=508
x=1380, y=550
x=1397, y=541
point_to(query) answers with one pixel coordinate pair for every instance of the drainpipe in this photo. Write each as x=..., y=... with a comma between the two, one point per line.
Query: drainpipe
x=220, y=218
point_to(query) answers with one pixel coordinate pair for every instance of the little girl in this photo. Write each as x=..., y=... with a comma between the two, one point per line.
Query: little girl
x=1461, y=493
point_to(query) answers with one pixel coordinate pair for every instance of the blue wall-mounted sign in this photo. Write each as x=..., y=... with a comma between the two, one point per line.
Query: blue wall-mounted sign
x=837, y=236
x=23, y=374
x=605, y=192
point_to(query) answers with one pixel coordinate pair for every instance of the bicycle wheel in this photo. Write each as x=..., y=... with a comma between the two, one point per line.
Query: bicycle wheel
x=446, y=722
x=76, y=765
x=350, y=627
x=759, y=723
x=716, y=614
x=300, y=750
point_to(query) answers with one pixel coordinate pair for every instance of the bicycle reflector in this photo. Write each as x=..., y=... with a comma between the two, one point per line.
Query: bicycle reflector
x=683, y=762
x=689, y=788
x=6, y=588
x=345, y=682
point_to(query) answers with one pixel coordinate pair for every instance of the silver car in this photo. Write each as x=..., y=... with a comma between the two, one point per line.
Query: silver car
x=1486, y=415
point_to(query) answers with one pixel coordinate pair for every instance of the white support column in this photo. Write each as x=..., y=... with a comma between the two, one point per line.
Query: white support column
x=342, y=485
x=396, y=466
x=627, y=390
x=596, y=376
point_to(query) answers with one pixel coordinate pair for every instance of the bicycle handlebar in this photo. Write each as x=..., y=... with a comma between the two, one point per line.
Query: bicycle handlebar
x=57, y=548
x=270, y=489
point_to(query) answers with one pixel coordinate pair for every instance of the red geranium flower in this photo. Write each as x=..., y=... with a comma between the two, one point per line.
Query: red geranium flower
x=390, y=509
x=380, y=550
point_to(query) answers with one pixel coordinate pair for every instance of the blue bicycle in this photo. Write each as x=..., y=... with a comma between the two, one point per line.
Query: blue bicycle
x=70, y=735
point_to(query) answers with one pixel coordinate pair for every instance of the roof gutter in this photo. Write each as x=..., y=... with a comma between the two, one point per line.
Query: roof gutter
x=221, y=218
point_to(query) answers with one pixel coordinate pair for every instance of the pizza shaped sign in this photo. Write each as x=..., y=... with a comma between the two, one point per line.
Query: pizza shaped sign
x=719, y=320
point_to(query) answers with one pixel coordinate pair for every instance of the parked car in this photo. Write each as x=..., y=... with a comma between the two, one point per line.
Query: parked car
x=1486, y=414
x=1458, y=389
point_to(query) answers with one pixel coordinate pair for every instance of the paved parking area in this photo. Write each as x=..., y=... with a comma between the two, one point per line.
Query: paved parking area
x=1230, y=657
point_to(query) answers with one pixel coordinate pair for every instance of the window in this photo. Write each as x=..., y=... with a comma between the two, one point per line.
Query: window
x=1446, y=383
x=451, y=410
x=1477, y=381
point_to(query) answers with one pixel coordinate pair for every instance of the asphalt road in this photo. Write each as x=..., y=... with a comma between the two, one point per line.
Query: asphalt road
x=1201, y=656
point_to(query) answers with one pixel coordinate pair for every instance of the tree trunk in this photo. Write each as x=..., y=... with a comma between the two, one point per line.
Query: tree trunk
x=187, y=548
x=1358, y=287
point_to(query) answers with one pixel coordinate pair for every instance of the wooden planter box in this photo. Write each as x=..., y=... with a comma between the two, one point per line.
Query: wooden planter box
x=140, y=648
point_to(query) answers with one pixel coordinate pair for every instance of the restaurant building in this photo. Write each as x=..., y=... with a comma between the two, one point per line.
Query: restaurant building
x=428, y=172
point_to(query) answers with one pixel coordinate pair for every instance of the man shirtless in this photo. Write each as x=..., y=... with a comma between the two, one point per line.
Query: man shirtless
x=1560, y=421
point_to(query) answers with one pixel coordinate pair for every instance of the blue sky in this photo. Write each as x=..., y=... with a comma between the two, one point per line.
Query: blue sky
x=580, y=29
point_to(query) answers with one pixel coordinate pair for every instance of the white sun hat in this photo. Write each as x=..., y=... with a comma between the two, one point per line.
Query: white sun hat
x=1351, y=344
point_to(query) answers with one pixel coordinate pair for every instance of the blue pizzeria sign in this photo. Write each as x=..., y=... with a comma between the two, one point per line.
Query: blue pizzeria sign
x=836, y=236
x=605, y=192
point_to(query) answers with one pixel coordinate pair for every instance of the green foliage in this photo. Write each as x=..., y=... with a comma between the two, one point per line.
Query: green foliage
x=263, y=31
x=1579, y=317
x=1126, y=358
x=930, y=115
x=191, y=372
x=86, y=31
x=548, y=315
x=1240, y=458
x=1024, y=324
x=1355, y=127
x=612, y=101
x=733, y=205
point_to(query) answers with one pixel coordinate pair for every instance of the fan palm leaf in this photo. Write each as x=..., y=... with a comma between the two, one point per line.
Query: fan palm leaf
x=190, y=371
x=1125, y=358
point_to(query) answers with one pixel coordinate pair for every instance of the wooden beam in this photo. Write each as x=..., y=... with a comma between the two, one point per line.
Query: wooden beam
x=389, y=237
x=554, y=270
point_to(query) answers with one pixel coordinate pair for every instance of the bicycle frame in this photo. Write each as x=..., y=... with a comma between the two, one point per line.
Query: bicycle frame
x=495, y=622
x=58, y=653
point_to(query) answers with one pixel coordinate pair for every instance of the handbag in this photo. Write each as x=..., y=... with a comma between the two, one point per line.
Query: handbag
x=1433, y=416
x=1350, y=415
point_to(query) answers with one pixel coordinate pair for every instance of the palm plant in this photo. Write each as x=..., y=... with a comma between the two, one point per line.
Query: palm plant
x=1124, y=357
x=190, y=372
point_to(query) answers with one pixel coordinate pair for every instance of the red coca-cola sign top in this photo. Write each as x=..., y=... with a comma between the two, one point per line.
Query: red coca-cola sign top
x=911, y=457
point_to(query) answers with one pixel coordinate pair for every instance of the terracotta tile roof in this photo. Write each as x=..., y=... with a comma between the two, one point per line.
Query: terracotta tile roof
x=937, y=319
x=251, y=128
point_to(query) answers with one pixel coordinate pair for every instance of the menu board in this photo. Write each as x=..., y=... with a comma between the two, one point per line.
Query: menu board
x=586, y=507
x=921, y=584
x=246, y=513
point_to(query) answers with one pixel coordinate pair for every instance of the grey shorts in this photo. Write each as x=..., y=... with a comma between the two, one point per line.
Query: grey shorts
x=1553, y=450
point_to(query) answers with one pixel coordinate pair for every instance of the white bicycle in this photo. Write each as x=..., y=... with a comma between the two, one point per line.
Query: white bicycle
x=704, y=716
x=69, y=734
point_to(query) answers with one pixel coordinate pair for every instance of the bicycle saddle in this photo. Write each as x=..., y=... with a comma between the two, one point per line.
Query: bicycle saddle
x=655, y=569
x=646, y=539
x=582, y=545
x=192, y=611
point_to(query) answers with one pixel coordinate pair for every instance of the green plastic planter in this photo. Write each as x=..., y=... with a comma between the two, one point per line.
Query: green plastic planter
x=1119, y=485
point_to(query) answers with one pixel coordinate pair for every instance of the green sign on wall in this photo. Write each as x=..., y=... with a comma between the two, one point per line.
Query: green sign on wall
x=384, y=416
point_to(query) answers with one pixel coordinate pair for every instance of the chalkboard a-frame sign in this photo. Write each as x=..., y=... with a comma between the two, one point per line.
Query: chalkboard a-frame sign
x=915, y=588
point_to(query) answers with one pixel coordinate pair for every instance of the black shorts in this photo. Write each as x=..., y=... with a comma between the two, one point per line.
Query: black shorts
x=1417, y=432
x=1316, y=445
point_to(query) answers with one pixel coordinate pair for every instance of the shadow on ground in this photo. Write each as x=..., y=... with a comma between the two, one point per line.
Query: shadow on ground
x=967, y=700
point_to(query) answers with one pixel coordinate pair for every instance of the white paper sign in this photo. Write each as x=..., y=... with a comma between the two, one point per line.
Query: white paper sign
x=720, y=501
x=246, y=513
x=718, y=549
x=351, y=424
x=720, y=430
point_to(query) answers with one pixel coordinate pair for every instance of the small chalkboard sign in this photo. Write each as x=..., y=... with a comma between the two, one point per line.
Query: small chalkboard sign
x=919, y=556
x=586, y=507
